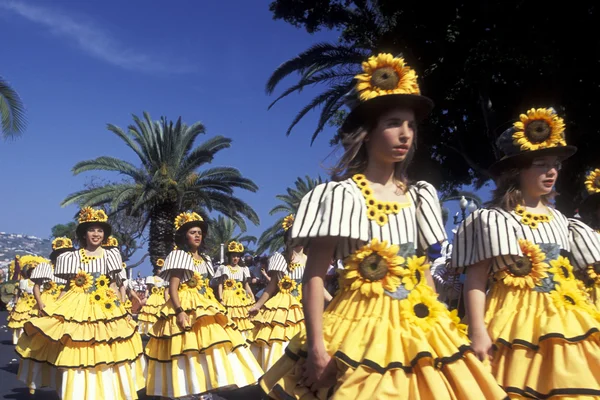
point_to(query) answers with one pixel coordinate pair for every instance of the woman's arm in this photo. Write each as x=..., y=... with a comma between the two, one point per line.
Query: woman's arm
x=182, y=317
x=269, y=291
x=249, y=289
x=474, y=290
x=38, y=297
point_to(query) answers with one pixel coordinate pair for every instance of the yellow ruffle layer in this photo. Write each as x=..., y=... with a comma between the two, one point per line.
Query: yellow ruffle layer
x=35, y=345
x=20, y=314
x=155, y=300
x=280, y=319
x=192, y=302
x=379, y=354
x=48, y=298
x=237, y=310
x=542, y=350
x=143, y=317
x=78, y=307
x=150, y=311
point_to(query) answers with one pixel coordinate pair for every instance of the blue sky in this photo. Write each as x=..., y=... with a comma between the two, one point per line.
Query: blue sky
x=79, y=65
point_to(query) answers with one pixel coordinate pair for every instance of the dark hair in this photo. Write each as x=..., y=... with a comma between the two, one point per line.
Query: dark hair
x=355, y=158
x=182, y=243
x=508, y=194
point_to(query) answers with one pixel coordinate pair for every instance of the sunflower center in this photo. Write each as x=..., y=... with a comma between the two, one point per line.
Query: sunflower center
x=192, y=283
x=373, y=267
x=107, y=306
x=565, y=272
x=538, y=131
x=521, y=268
x=97, y=297
x=385, y=78
x=80, y=281
x=286, y=285
x=569, y=299
x=47, y=286
x=421, y=310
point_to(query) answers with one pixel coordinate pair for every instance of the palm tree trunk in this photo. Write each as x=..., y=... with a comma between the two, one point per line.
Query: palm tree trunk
x=161, y=231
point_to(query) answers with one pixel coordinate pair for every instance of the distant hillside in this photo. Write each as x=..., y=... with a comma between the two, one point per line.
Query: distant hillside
x=15, y=243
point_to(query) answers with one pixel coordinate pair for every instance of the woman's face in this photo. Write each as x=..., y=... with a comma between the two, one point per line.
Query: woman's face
x=392, y=137
x=94, y=235
x=194, y=237
x=235, y=259
x=539, y=179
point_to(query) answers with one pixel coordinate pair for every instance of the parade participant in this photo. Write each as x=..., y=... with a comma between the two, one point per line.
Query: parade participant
x=86, y=347
x=384, y=335
x=234, y=288
x=155, y=300
x=588, y=270
x=25, y=302
x=43, y=275
x=194, y=347
x=534, y=324
x=278, y=315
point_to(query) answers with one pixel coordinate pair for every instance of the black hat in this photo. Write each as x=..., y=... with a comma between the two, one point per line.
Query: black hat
x=60, y=245
x=88, y=217
x=538, y=133
x=386, y=82
x=185, y=221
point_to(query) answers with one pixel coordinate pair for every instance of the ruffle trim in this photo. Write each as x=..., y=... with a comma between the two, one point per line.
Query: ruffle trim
x=166, y=328
x=123, y=361
x=67, y=334
x=532, y=346
x=530, y=393
x=187, y=351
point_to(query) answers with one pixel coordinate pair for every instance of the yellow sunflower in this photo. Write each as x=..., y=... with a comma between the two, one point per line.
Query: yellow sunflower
x=288, y=222
x=562, y=269
x=567, y=295
x=162, y=291
x=416, y=267
x=539, y=129
x=98, y=297
x=86, y=214
x=82, y=282
x=239, y=285
x=240, y=293
x=186, y=217
x=160, y=263
x=127, y=304
x=462, y=328
x=527, y=271
x=286, y=285
x=229, y=284
x=108, y=306
x=101, y=216
x=421, y=308
x=374, y=268
x=594, y=272
x=102, y=282
x=50, y=286
x=592, y=181
x=154, y=290
x=293, y=266
x=385, y=74
x=110, y=295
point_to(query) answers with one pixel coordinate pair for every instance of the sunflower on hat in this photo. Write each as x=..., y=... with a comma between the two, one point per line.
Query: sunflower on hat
x=539, y=129
x=385, y=74
x=235, y=247
x=62, y=243
x=287, y=222
x=186, y=217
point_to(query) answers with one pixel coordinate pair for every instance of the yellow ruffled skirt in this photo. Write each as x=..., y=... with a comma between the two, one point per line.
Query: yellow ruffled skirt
x=237, y=303
x=24, y=310
x=382, y=351
x=211, y=354
x=542, y=350
x=149, y=313
x=278, y=321
x=83, y=349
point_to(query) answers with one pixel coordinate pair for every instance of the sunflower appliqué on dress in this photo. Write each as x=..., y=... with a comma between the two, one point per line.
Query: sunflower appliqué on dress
x=532, y=219
x=236, y=300
x=88, y=320
x=539, y=129
x=377, y=211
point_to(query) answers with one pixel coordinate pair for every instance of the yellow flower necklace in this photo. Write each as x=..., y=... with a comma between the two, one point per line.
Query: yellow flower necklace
x=233, y=270
x=295, y=265
x=377, y=211
x=197, y=262
x=530, y=219
x=85, y=258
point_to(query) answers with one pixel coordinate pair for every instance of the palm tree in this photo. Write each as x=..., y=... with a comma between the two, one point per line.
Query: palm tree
x=12, y=111
x=327, y=64
x=272, y=238
x=169, y=178
x=223, y=230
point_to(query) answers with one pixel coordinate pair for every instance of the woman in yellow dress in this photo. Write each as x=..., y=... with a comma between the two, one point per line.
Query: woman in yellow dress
x=194, y=347
x=589, y=269
x=155, y=300
x=384, y=335
x=25, y=303
x=234, y=288
x=44, y=278
x=534, y=324
x=87, y=346
x=278, y=315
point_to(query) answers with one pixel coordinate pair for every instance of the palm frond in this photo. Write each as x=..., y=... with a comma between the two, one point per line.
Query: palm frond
x=110, y=164
x=12, y=111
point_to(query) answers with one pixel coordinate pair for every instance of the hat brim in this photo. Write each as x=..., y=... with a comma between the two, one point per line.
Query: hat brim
x=200, y=224
x=83, y=227
x=235, y=253
x=562, y=152
x=589, y=205
x=421, y=106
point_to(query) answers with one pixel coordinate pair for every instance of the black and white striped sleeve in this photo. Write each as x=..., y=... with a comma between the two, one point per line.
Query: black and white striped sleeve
x=114, y=262
x=42, y=273
x=177, y=260
x=430, y=226
x=67, y=265
x=331, y=210
x=277, y=263
x=584, y=243
x=210, y=269
x=485, y=235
